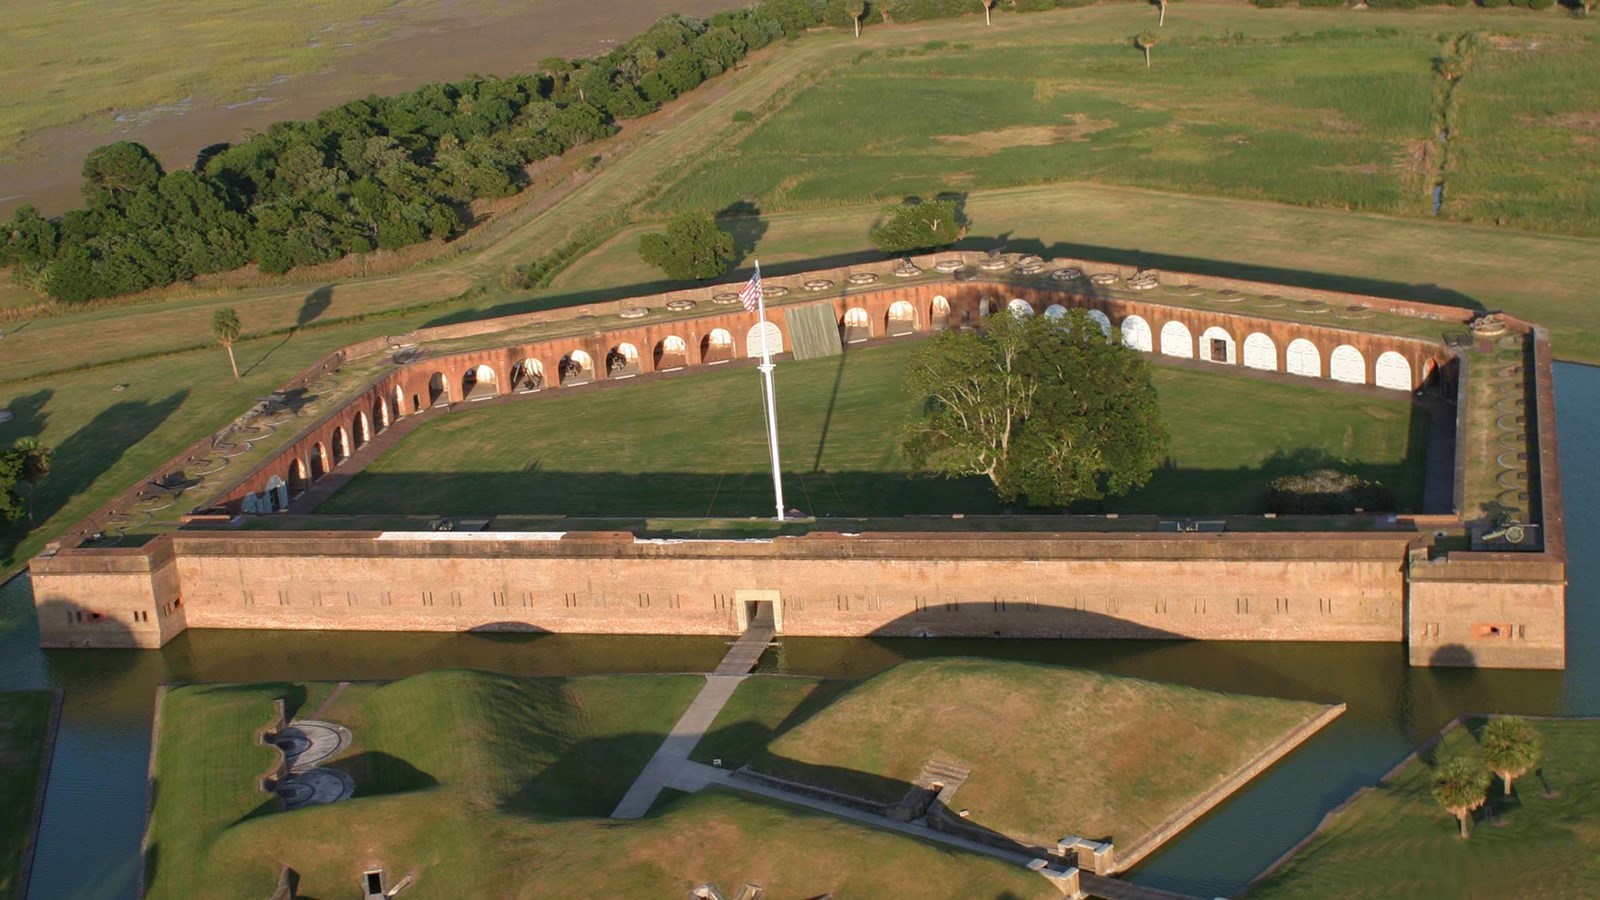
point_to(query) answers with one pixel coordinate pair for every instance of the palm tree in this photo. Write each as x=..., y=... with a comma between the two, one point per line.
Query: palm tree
x=1144, y=42
x=856, y=9
x=1510, y=748
x=987, y=5
x=35, y=466
x=225, y=327
x=1459, y=785
x=1161, y=22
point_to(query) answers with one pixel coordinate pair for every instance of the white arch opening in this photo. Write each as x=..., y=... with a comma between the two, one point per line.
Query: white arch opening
x=1392, y=371
x=1177, y=341
x=1136, y=334
x=774, y=339
x=1019, y=307
x=1260, y=353
x=1055, y=312
x=1303, y=358
x=1217, y=345
x=1346, y=364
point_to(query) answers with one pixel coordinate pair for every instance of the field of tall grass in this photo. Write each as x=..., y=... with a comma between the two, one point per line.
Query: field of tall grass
x=67, y=60
x=1341, y=118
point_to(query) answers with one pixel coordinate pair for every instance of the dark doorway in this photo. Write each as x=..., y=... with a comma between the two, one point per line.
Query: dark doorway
x=1219, y=350
x=759, y=614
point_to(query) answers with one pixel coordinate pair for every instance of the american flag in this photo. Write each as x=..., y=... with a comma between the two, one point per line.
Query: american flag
x=751, y=295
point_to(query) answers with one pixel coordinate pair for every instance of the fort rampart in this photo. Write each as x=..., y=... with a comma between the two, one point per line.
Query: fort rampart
x=1457, y=608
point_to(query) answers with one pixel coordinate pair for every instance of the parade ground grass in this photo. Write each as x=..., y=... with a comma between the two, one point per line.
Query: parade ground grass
x=1052, y=751
x=696, y=446
x=1396, y=841
x=490, y=785
x=24, y=739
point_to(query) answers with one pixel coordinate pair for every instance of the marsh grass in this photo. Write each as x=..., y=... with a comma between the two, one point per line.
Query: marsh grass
x=65, y=61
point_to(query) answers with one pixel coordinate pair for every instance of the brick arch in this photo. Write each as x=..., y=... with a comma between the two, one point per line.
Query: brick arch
x=671, y=352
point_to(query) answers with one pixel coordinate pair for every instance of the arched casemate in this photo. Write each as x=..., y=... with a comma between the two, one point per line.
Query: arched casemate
x=717, y=346
x=1103, y=320
x=298, y=479
x=319, y=462
x=1136, y=334
x=380, y=415
x=1346, y=364
x=527, y=375
x=400, y=401
x=1260, y=353
x=1176, y=340
x=900, y=320
x=857, y=325
x=753, y=338
x=623, y=361
x=1392, y=371
x=671, y=352
x=360, y=430
x=1019, y=307
x=479, y=383
x=341, y=446
x=1055, y=312
x=438, y=389
x=939, y=313
x=1303, y=358
x=576, y=368
x=1216, y=345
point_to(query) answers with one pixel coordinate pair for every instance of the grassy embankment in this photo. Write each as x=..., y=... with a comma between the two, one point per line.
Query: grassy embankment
x=694, y=447
x=1397, y=842
x=490, y=786
x=24, y=727
x=1549, y=278
x=1052, y=751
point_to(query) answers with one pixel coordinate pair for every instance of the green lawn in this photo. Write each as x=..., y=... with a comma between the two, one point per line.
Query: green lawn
x=763, y=707
x=492, y=786
x=24, y=730
x=1397, y=842
x=695, y=446
x=1052, y=751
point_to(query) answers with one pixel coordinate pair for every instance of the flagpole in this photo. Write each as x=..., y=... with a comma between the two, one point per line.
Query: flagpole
x=772, y=406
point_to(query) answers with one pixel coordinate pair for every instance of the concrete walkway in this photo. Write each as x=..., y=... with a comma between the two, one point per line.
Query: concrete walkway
x=673, y=754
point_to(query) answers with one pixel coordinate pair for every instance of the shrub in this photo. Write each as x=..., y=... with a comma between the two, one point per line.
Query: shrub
x=1310, y=3
x=1269, y=4
x=1541, y=4
x=1492, y=4
x=744, y=115
x=1326, y=492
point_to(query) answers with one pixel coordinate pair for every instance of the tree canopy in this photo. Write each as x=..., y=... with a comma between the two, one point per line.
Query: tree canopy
x=374, y=173
x=21, y=467
x=1049, y=410
x=692, y=247
x=1459, y=784
x=1510, y=748
x=226, y=327
x=919, y=226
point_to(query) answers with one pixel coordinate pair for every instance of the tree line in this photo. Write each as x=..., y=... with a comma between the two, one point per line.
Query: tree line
x=375, y=173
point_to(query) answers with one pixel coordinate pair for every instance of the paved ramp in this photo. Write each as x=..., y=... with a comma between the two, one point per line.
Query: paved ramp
x=673, y=754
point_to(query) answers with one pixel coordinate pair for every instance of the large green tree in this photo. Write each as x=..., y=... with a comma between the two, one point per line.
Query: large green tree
x=24, y=465
x=692, y=247
x=1459, y=785
x=1049, y=410
x=1510, y=748
x=910, y=227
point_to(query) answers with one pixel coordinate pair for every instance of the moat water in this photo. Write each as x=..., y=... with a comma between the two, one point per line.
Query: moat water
x=94, y=808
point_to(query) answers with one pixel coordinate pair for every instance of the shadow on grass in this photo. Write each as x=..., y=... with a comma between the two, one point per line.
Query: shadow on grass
x=1173, y=490
x=377, y=774
x=589, y=778
x=1399, y=290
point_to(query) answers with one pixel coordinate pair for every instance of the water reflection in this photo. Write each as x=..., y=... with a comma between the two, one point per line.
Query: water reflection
x=88, y=843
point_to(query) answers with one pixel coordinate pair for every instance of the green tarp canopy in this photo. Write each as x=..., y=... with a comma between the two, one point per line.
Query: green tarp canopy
x=814, y=331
